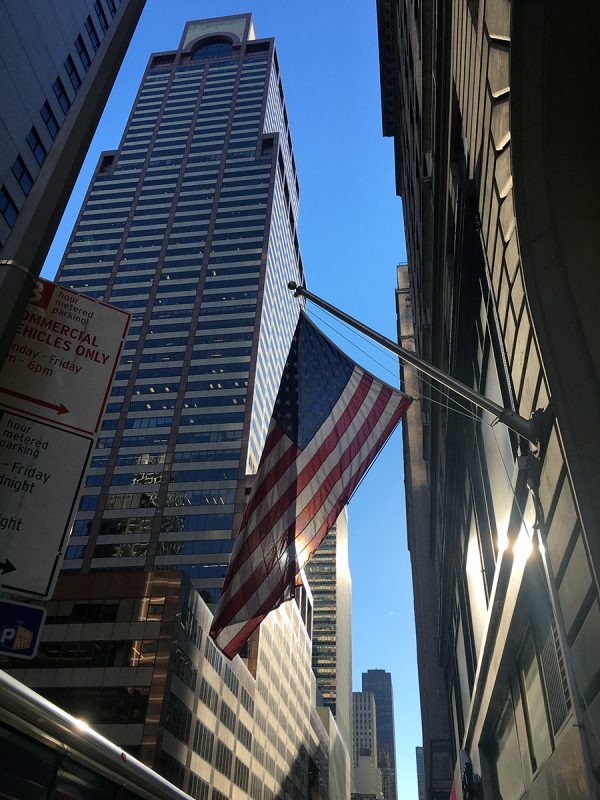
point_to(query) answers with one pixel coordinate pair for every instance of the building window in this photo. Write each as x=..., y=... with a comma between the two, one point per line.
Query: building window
x=203, y=742
x=476, y=587
x=22, y=174
x=37, y=148
x=61, y=95
x=91, y=31
x=72, y=73
x=84, y=56
x=171, y=769
x=101, y=16
x=223, y=759
x=111, y=7
x=506, y=754
x=48, y=116
x=178, y=719
x=74, y=552
x=197, y=788
x=241, y=775
x=220, y=48
x=534, y=705
x=7, y=208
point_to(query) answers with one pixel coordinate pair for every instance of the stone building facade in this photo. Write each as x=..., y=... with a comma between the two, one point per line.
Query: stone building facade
x=489, y=105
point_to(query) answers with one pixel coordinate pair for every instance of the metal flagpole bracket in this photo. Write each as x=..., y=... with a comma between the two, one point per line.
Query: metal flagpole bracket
x=534, y=430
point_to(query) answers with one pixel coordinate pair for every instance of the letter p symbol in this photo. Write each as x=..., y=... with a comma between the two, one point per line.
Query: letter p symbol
x=7, y=635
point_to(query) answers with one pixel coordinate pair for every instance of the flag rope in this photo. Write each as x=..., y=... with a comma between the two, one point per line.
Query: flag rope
x=464, y=412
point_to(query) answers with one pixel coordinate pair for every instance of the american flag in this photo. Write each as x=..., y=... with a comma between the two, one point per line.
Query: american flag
x=330, y=420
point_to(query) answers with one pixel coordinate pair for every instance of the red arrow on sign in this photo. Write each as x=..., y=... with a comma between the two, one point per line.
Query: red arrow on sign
x=60, y=409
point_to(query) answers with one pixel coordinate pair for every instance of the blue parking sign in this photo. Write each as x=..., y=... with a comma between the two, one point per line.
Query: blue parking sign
x=20, y=628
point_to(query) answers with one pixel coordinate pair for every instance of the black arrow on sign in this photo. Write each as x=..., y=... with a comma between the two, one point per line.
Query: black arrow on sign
x=6, y=566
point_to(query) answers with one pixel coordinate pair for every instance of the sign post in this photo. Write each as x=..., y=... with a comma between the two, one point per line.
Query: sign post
x=53, y=389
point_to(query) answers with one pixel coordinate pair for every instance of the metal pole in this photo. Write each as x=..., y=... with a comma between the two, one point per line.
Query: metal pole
x=527, y=428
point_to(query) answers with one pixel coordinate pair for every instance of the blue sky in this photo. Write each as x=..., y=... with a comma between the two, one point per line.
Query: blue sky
x=351, y=237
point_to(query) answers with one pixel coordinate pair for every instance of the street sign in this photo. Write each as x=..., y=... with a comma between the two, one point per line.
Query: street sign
x=41, y=469
x=20, y=628
x=63, y=358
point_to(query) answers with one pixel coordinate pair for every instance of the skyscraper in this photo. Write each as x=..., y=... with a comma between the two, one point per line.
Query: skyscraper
x=379, y=682
x=58, y=66
x=328, y=574
x=190, y=225
x=365, y=772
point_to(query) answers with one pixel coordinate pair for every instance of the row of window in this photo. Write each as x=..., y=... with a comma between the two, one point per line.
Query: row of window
x=201, y=547
x=169, y=524
x=180, y=499
x=196, y=437
x=224, y=416
x=149, y=478
x=146, y=459
x=109, y=653
x=175, y=372
x=94, y=611
x=105, y=705
x=169, y=402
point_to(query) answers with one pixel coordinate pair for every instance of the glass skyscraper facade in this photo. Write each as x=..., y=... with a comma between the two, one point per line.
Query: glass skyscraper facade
x=379, y=682
x=191, y=226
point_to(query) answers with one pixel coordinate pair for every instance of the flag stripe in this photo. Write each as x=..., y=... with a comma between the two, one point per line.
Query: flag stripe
x=270, y=509
x=280, y=466
x=340, y=429
x=279, y=514
x=232, y=644
x=263, y=566
x=246, y=546
x=330, y=420
x=332, y=439
x=325, y=486
x=274, y=599
x=352, y=485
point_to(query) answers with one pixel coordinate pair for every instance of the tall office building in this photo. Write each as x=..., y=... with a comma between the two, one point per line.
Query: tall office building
x=364, y=728
x=59, y=62
x=379, y=682
x=190, y=225
x=328, y=574
x=366, y=775
x=502, y=243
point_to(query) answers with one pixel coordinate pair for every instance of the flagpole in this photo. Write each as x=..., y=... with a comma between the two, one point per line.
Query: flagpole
x=527, y=428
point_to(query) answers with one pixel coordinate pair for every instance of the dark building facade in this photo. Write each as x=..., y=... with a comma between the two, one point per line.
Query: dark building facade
x=191, y=226
x=58, y=66
x=481, y=99
x=379, y=683
x=437, y=750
